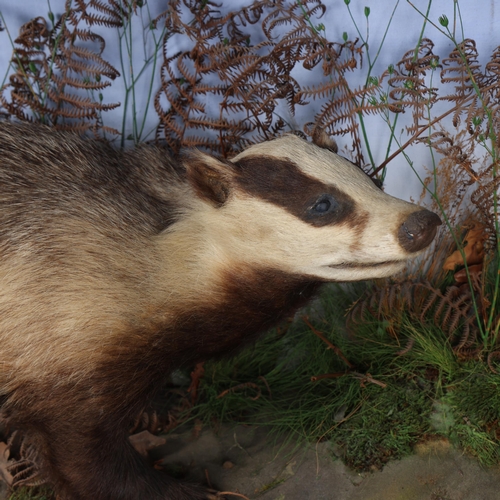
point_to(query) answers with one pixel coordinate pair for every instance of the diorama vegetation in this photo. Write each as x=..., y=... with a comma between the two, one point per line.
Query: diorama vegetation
x=377, y=367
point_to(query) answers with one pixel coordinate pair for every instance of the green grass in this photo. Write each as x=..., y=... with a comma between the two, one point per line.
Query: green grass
x=386, y=426
x=376, y=410
x=41, y=493
x=475, y=400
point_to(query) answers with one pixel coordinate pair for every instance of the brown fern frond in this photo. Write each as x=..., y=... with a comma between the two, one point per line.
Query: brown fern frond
x=53, y=67
x=25, y=473
x=495, y=355
x=24, y=461
x=219, y=47
x=458, y=68
x=109, y=14
x=453, y=312
x=382, y=301
x=149, y=420
x=68, y=61
x=460, y=152
x=320, y=91
x=409, y=89
x=484, y=198
x=81, y=84
x=254, y=80
x=407, y=348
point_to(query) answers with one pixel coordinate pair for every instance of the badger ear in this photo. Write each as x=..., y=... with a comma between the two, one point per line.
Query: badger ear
x=323, y=140
x=210, y=177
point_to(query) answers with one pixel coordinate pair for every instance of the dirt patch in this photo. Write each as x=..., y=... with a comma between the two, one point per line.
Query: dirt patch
x=247, y=460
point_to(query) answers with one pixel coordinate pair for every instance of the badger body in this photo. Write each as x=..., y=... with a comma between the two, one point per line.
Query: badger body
x=118, y=267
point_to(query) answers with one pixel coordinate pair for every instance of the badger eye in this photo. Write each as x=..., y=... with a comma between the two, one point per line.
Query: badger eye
x=324, y=204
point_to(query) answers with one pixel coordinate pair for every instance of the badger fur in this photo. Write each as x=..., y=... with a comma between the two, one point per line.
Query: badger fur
x=118, y=267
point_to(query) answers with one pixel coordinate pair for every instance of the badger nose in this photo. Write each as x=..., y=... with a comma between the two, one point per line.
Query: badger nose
x=418, y=230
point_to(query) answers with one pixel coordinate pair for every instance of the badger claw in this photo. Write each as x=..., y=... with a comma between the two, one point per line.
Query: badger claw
x=215, y=495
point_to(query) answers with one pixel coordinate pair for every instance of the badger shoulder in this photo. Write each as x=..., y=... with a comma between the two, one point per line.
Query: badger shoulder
x=61, y=175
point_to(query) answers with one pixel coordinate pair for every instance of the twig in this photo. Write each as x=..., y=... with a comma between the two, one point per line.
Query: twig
x=416, y=135
x=368, y=378
x=196, y=376
x=337, y=351
x=207, y=477
x=425, y=127
x=315, y=378
x=360, y=376
x=242, y=386
x=491, y=357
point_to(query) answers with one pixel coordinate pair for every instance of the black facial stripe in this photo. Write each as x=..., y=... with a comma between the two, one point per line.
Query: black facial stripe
x=282, y=183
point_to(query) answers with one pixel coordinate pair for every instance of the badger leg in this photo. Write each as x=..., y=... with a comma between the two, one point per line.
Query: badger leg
x=108, y=468
x=86, y=453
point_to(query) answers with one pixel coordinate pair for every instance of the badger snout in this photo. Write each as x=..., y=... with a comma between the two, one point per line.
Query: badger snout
x=418, y=230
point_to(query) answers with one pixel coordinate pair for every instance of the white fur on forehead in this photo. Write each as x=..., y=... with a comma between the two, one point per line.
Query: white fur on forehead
x=275, y=147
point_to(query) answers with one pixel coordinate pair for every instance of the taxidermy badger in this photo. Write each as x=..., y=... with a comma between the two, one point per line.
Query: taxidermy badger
x=118, y=267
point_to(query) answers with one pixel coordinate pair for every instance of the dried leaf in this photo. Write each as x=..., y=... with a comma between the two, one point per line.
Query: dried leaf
x=4, y=463
x=474, y=272
x=473, y=250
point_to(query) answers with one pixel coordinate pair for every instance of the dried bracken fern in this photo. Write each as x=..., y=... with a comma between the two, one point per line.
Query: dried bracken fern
x=379, y=301
x=147, y=420
x=252, y=84
x=409, y=88
x=58, y=70
x=451, y=310
x=247, y=81
x=458, y=69
x=485, y=200
x=475, y=116
x=23, y=466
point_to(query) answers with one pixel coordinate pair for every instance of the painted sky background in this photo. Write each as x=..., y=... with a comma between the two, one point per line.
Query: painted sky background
x=481, y=22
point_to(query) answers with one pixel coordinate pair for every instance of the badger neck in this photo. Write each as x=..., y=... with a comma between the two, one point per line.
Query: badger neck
x=247, y=303
x=216, y=304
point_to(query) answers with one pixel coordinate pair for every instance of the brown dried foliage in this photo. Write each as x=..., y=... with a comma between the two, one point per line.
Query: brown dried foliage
x=467, y=190
x=451, y=310
x=409, y=87
x=227, y=90
x=229, y=86
x=249, y=81
x=19, y=463
x=58, y=69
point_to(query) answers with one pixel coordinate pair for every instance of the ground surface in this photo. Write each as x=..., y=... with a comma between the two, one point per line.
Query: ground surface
x=246, y=460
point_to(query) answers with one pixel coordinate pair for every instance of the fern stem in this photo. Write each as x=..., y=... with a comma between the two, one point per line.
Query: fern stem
x=417, y=134
x=157, y=44
x=371, y=65
x=125, y=101
x=130, y=46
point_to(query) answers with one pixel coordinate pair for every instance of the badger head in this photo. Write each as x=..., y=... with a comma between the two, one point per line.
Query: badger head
x=295, y=207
